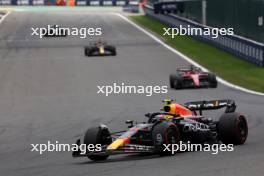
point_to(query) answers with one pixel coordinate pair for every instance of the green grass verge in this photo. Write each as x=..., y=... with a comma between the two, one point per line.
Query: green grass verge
x=225, y=65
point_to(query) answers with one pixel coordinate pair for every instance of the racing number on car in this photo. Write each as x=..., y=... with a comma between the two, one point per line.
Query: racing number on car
x=159, y=139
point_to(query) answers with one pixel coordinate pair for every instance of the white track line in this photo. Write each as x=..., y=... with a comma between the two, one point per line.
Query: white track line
x=4, y=16
x=185, y=57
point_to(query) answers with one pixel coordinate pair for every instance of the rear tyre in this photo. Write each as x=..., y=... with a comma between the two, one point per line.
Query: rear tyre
x=111, y=49
x=97, y=135
x=114, y=52
x=212, y=80
x=232, y=129
x=172, y=79
x=164, y=133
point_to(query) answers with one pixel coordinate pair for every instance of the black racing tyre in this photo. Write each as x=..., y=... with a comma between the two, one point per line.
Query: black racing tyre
x=164, y=133
x=111, y=49
x=232, y=128
x=87, y=51
x=212, y=80
x=178, y=81
x=172, y=79
x=114, y=52
x=97, y=135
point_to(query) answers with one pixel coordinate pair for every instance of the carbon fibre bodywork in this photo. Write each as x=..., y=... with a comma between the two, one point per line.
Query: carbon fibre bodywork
x=148, y=137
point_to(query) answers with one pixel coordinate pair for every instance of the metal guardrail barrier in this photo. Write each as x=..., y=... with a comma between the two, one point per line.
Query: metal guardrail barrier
x=246, y=49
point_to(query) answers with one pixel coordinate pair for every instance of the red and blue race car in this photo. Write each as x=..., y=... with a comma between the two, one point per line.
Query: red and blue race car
x=176, y=123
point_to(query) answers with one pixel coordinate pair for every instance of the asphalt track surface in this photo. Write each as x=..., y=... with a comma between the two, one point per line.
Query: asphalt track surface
x=48, y=91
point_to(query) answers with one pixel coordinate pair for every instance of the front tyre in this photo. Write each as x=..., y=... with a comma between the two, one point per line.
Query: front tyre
x=87, y=51
x=178, y=82
x=212, y=80
x=232, y=128
x=97, y=135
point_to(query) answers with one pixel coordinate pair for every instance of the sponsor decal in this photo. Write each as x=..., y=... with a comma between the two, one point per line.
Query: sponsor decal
x=120, y=3
x=94, y=3
x=139, y=147
x=5, y=2
x=38, y=2
x=23, y=2
x=81, y=3
x=108, y=3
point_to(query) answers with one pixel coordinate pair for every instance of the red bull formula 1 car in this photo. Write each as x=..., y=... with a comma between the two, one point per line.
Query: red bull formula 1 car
x=100, y=48
x=174, y=124
x=192, y=77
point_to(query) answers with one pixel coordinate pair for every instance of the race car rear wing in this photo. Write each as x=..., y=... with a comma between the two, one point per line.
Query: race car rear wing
x=212, y=105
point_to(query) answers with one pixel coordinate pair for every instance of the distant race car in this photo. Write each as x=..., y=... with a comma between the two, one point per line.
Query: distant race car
x=100, y=48
x=192, y=77
x=55, y=31
x=174, y=124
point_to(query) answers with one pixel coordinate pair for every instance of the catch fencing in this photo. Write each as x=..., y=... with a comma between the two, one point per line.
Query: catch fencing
x=246, y=49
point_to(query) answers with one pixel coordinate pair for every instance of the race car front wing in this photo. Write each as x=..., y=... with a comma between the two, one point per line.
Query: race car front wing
x=125, y=149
